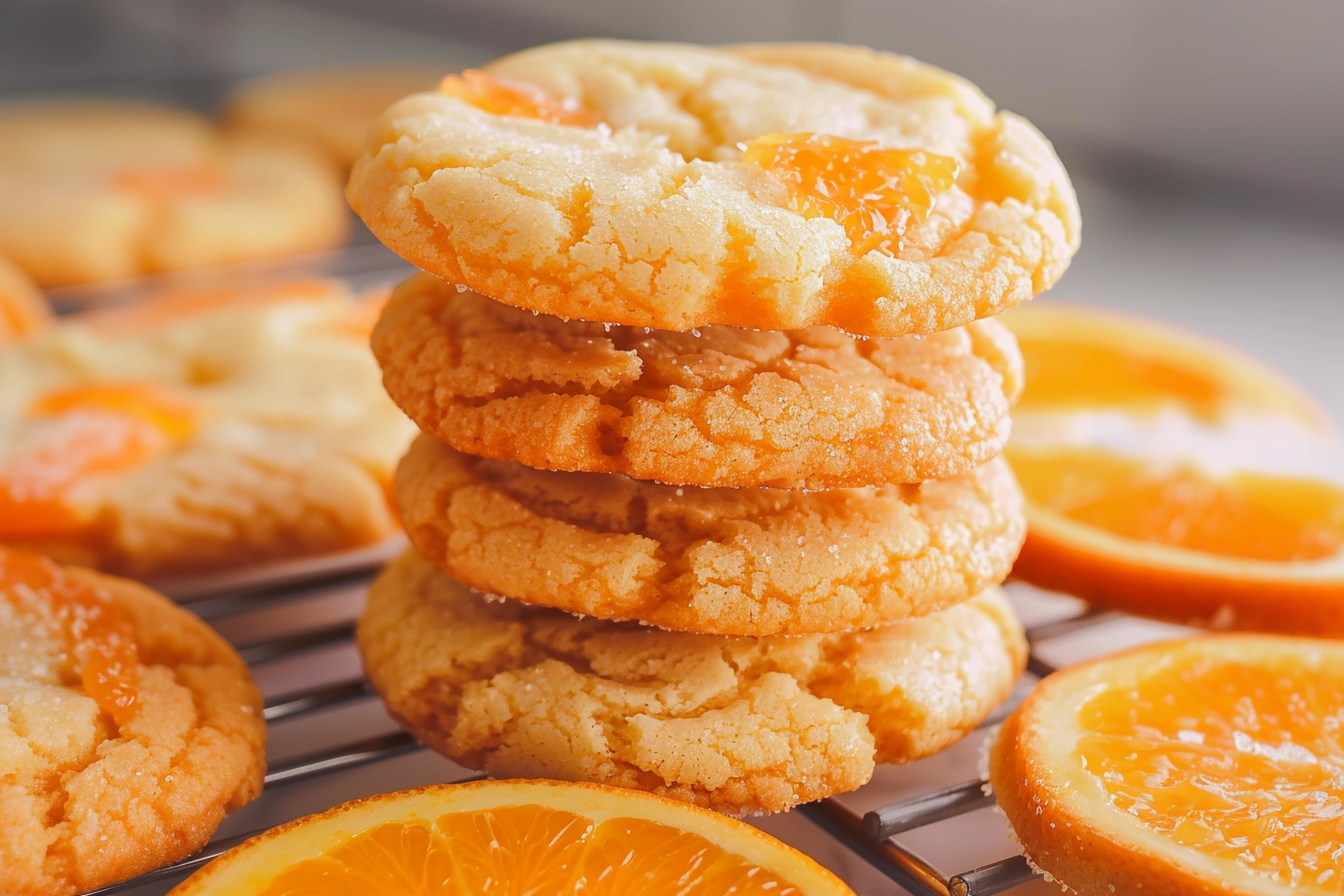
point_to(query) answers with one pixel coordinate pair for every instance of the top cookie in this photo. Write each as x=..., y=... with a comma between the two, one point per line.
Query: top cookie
x=675, y=186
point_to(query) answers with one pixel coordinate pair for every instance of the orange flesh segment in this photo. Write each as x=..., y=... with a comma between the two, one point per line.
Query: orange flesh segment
x=525, y=849
x=1064, y=375
x=1244, y=766
x=478, y=89
x=873, y=192
x=79, y=433
x=100, y=635
x=1247, y=515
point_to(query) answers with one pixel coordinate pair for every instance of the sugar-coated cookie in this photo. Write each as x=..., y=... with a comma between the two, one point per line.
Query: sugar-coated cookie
x=204, y=430
x=101, y=190
x=726, y=561
x=23, y=308
x=718, y=406
x=128, y=728
x=674, y=186
x=735, y=724
x=329, y=107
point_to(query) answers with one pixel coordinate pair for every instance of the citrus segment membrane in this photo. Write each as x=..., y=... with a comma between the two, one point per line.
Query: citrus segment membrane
x=875, y=193
x=100, y=635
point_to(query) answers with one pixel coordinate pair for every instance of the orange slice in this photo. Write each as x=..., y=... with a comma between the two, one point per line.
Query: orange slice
x=1210, y=765
x=75, y=435
x=874, y=192
x=513, y=837
x=1169, y=476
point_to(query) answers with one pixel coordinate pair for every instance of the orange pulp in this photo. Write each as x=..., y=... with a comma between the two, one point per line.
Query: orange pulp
x=499, y=98
x=874, y=192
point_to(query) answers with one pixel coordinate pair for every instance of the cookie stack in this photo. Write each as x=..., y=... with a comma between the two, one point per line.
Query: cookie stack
x=707, y=398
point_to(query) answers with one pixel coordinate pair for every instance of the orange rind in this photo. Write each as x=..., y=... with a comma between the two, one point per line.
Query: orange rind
x=1209, y=765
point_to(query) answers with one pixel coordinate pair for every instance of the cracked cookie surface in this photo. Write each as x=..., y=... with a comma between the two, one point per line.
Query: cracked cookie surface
x=121, y=747
x=735, y=724
x=726, y=561
x=657, y=216
x=720, y=406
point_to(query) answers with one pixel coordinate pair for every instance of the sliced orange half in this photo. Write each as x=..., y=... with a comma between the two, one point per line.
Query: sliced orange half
x=1209, y=765
x=1168, y=476
x=513, y=837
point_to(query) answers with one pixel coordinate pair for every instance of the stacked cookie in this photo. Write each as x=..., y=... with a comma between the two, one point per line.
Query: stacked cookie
x=704, y=364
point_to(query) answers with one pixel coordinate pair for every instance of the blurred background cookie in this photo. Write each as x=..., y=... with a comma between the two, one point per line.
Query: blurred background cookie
x=94, y=190
x=128, y=729
x=330, y=108
x=742, y=725
x=23, y=308
x=203, y=430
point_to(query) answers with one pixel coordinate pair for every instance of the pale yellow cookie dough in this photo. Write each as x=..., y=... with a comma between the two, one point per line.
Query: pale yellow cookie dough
x=736, y=724
x=727, y=561
x=719, y=406
x=653, y=218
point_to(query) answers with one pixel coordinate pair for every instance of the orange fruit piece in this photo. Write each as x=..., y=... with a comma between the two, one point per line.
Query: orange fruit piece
x=501, y=98
x=874, y=192
x=74, y=435
x=513, y=837
x=1209, y=765
x=1169, y=476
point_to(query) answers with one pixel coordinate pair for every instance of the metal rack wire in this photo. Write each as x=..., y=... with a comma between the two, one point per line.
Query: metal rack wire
x=304, y=624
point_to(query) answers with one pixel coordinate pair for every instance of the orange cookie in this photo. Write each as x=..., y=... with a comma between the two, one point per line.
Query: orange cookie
x=204, y=430
x=724, y=561
x=734, y=724
x=675, y=186
x=720, y=406
x=128, y=729
x=99, y=190
x=331, y=108
x=22, y=307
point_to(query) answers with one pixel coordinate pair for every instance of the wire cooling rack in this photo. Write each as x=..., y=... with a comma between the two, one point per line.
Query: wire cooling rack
x=331, y=740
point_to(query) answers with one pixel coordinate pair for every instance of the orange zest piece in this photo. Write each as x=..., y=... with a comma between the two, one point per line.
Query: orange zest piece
x=1248, y=515
x=1210, y=764
x=101, y=636
x=76, y=434
x=875, y=193
x=497, y=97
x=509, y=837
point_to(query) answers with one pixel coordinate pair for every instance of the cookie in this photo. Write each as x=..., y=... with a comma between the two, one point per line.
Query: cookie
x=202, y=431
x=734, y=724
x=724, y=561
x=720, y=406
x=23, y=309
x=93, y=191
x=331, y=108
x=128, y=729
x=675, y=186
